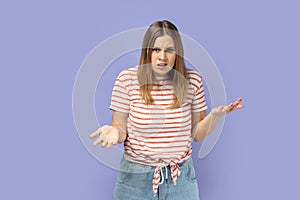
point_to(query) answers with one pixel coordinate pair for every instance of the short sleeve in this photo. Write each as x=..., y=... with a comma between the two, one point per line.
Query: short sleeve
x=120, y=95
x=198, y=102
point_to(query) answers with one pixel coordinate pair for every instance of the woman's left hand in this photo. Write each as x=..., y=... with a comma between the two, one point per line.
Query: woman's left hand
x=222, y=110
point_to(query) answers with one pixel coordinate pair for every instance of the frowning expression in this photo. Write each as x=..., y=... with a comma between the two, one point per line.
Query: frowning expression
x=163, y=55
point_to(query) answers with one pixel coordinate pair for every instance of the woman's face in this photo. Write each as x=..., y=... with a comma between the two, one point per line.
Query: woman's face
x=163, y=55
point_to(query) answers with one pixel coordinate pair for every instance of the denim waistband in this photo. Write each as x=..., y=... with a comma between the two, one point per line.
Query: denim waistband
x=132, y=167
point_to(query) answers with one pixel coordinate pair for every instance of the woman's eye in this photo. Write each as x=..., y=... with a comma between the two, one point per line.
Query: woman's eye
x=156, y=50
x=170, y=50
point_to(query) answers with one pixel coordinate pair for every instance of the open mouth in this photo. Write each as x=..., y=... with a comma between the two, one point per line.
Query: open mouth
x=162, y=65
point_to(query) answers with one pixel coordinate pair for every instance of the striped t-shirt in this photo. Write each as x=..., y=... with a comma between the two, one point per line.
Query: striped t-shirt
x=157, y=135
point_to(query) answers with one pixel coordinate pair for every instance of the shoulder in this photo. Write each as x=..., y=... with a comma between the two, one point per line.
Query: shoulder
x=128, y=74
x=193, y=76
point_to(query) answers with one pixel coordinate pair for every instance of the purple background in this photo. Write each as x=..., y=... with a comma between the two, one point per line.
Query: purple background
x=255, y=45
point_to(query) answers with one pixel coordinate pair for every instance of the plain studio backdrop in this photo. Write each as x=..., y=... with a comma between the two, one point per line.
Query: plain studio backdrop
x=254, y=44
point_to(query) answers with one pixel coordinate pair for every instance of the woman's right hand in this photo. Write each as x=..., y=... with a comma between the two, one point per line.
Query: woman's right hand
x=108, y=136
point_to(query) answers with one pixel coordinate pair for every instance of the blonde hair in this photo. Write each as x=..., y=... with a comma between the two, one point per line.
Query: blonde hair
x=177, y=75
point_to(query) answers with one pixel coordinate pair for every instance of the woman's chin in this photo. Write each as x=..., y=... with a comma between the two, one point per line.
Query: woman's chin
x=161, y=71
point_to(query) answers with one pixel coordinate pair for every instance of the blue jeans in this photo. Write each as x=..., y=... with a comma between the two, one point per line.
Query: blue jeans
x=134, y=182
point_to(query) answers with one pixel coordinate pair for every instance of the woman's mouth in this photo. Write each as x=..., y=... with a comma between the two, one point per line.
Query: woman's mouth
x=162, y=65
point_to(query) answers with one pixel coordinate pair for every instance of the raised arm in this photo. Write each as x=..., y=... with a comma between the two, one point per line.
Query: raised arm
x=202, y=125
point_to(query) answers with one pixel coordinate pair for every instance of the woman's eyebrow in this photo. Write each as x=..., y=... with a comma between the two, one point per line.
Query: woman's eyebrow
x=168, y=47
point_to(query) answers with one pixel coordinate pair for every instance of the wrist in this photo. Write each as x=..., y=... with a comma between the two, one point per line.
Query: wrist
x=215, y=116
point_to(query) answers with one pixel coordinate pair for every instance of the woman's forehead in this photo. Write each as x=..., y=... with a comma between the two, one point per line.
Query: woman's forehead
x=164, y=41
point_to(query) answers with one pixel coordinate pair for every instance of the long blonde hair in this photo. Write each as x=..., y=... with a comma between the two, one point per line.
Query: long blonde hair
x=177, y=75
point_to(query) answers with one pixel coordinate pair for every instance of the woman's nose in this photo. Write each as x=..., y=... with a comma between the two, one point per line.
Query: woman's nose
x=162, y=55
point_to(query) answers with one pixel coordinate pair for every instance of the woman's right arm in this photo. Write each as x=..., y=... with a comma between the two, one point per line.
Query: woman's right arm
x=113, y=134
x=119, y=121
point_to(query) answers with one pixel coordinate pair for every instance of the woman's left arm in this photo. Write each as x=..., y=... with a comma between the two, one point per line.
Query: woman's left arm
x=203, y=124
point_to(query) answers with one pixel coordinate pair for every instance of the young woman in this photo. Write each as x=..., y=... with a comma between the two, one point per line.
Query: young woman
x=158, y=108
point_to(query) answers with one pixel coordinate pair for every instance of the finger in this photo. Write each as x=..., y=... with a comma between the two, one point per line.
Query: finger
x=94, y=134
x=98, y=141
x=233, y=106
x=109, y=144
x=238, y=101
x=115, y=141
x=230, y=107
x=104, y=143
x=239, y=106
